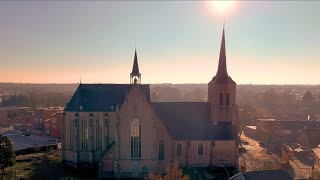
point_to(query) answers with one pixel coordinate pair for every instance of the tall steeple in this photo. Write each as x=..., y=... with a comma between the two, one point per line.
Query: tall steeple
x=222, y=67
x=222, y=76
x=135, y=75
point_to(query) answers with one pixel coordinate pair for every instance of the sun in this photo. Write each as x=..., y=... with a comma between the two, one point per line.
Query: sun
x=221, y=6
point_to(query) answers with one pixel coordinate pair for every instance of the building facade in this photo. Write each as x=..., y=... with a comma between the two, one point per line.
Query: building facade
x=43, y=115
x=117, y=128
x=52, y=126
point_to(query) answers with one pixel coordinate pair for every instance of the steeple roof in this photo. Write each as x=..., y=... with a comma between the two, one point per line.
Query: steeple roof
x=222, y=67
x=135, y=67
x=222, y=76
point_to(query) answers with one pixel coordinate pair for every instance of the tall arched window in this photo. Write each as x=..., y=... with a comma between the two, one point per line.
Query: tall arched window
x=200, y=149
x=135, y=138
x=98, y=131
x=84, y=133
x=228, y=99
x=179, y=149
x=221, y=99
x=161, y=150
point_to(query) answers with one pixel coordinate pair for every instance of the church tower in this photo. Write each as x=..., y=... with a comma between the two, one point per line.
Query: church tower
x=222, y=92
x=135, y=76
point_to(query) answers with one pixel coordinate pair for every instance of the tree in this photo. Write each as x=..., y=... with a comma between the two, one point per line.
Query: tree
x=272, y=133
x=315, y=174
x=248, y=115
x=7, y=156
x=307, y=97
x=173, y=172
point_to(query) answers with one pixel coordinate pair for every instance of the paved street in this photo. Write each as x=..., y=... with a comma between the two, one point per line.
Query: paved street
x=255, y=154
x=19, y=141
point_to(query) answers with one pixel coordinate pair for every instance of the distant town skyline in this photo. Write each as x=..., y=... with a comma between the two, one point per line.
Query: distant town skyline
x=177, y=42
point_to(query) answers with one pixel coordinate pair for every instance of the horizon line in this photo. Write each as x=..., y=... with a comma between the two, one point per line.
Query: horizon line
x=260, y=84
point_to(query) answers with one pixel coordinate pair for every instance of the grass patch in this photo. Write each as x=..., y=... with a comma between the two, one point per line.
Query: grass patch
x=45, y=166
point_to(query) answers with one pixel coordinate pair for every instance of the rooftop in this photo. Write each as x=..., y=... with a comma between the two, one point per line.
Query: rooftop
x=101, y=97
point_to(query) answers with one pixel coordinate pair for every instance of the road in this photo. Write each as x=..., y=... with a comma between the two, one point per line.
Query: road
x=20, y=142
x=256, y=154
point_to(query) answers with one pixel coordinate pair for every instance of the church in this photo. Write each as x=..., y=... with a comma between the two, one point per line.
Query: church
x=118, y=129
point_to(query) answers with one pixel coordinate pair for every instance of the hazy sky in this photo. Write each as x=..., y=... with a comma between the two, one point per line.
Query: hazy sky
x=177, y=42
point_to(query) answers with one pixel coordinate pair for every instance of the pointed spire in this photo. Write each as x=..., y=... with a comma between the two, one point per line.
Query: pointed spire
x=222, y=76
x=222, y=67
x=135, y=67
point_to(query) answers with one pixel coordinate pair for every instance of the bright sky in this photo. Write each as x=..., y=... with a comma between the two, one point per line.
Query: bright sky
x=177, y=42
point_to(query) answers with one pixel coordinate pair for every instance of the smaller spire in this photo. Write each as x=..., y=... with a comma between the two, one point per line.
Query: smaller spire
x=135, y=67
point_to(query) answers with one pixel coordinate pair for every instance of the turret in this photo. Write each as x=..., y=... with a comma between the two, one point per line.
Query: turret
x=135, y=76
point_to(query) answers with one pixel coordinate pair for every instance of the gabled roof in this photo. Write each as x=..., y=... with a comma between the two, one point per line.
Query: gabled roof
x=186, y=120
x=268, y=175
x=225, y=131
x=101, y=97
x=191, y=120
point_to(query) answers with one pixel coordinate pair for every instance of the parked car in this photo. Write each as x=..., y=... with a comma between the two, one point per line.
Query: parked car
x=52, y=141
x=25, y=134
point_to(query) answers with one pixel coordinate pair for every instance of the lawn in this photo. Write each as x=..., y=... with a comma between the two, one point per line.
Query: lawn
x=46, y=165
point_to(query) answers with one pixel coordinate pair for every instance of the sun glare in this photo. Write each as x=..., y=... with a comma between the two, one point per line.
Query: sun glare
x=222, y=6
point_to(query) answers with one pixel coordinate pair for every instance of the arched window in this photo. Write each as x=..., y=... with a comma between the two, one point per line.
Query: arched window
x=161, y=150
x=200, y=149
x=98, y=131
x=179, y=149
x=221, y=99
x=228, y=99
x=84, y=133
x=135, y=138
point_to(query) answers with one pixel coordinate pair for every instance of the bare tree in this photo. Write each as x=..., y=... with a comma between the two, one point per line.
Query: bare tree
x=173, y=172
x=248, y=115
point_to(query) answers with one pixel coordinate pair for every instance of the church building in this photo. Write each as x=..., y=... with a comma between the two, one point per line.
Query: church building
x=118, y=129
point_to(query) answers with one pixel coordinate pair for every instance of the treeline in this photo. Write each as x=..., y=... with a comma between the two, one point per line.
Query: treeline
x=34, y=95
x=273, y=100
x=16, y=100
x=35, y=99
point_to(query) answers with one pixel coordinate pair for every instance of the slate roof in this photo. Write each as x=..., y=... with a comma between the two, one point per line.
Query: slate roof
x=222, y=80
x=135, y=67
x=268, y=175
x=101, y=97
x=191, y=120
x=225, y=131
x=184, y=120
